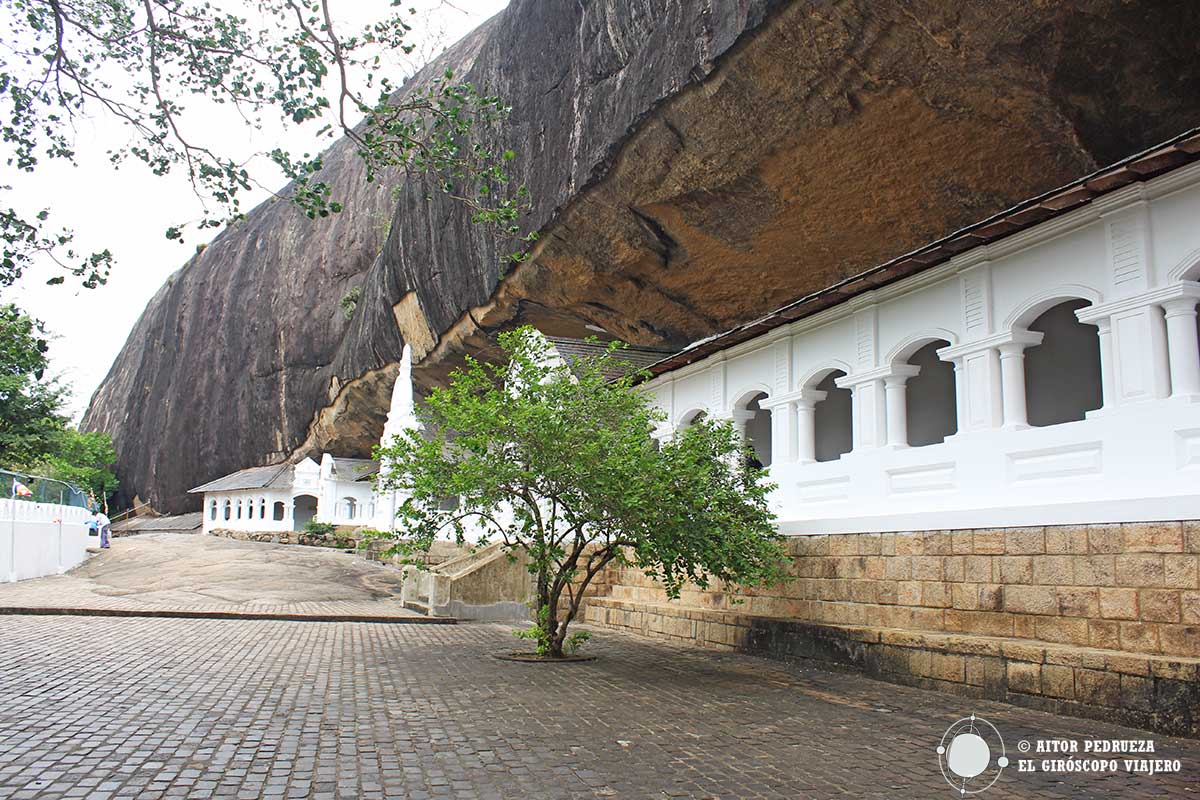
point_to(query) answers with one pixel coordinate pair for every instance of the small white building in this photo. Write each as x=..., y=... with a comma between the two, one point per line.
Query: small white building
x=284, y=497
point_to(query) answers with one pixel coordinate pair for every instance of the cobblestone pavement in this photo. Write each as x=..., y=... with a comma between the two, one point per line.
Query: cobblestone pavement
x=196, y=574
x=146, y=708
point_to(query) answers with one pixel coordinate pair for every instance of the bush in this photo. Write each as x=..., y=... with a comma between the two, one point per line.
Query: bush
x=349, y=301
x=319, y=528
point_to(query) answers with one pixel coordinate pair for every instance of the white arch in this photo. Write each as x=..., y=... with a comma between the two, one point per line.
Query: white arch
x=685, y=419
x=911, y=344
x=748, y=393
x=817, y=374
x=1033, y=308
x=1190, y=263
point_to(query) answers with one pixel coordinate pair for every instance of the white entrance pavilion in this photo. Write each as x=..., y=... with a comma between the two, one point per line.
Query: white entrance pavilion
x=340, y=491
x=284, y=497
x=1051, y=376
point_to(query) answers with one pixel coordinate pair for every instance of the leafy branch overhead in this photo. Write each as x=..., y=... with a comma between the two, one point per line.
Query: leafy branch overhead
x=148, y=63
x=556, y=463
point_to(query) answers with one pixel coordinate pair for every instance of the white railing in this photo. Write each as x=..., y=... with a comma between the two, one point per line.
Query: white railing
x=39, y=539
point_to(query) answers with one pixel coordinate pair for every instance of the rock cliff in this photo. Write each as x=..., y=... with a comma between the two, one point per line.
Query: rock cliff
x=692, y=164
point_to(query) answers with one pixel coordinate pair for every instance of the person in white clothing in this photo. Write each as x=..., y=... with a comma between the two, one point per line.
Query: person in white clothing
x=105, y=526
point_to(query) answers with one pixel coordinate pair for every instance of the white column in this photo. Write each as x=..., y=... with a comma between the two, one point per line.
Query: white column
x=1183, y=349
x=897, y=411
x=977, y=381
x=806, y=427
x=896, y=394
x=960, y=395
x=740, y=417
x=870, y=424
x=1012, y=380
x=1134, y=360
x=1107, y=367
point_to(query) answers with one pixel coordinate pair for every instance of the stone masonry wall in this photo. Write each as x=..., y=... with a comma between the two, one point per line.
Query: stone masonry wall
x=1096, y=620
x=1130, y=587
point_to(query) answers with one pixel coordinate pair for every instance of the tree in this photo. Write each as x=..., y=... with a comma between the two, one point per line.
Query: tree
x=142, y=62
x=30, y=421
x=83, y=460
x=557, y=462
x=34, y=435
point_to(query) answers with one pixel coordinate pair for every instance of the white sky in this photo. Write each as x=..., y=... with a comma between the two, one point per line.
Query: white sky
x=128, y=210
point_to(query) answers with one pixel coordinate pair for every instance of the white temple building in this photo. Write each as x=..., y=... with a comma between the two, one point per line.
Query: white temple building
x=285, y=497
x=1048, y=376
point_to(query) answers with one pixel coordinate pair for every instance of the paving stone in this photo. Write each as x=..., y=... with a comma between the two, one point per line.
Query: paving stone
x=144, y=707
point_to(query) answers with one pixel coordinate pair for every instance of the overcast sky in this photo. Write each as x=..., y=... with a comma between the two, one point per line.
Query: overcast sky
x=129, y=210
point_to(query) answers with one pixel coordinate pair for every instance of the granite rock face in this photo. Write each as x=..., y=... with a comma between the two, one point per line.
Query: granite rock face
x=692, y=164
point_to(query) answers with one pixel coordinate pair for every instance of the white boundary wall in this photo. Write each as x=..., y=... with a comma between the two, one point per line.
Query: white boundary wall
x=39, y=539
x=1133, y=256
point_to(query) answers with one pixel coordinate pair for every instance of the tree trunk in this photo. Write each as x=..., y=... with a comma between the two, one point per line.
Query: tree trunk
x=553, y=630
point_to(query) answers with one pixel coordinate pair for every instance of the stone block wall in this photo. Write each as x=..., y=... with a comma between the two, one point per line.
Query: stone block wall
x=1128, y=587
x=343, y=537
x=1096, y=620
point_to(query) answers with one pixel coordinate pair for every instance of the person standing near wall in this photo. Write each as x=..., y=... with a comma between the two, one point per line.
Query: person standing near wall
x=105, y=525
x=102, y=525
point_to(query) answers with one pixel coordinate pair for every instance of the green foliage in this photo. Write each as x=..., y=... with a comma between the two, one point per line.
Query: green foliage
x=349, y=302
x=319, y=528
x=30, y=418
x=83, y=460
x=34, y=435
x=575, y=641
x=538, y=632
x=558, y=462
x=293, y=63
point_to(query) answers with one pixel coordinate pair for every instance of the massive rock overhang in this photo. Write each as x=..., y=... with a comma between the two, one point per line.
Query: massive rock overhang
x=1150, y=163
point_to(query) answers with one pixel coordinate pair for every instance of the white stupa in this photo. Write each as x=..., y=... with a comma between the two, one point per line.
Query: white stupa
x=401, y=417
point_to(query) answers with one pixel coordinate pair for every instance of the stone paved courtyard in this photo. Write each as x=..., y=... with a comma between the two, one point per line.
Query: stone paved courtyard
x=146, y=708
x=180, y=573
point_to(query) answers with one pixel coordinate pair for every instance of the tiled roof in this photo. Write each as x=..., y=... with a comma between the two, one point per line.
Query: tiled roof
x=183, y=523
x=1172, y=154
x=636, y=358
x=354, y=469
x=276, y=476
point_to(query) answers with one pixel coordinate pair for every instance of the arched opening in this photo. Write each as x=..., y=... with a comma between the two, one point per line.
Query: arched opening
x=833, y=419
x=932, y=411
x=278, y=511
x=304, y=510
x=351, y=507
x=691, y=418
x=262, y=508
x=1062, y=374
x=250, y=508
x=228, y=510
x=758, y=429
x=239, y=509
x=371, y=510
x=212, y=510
